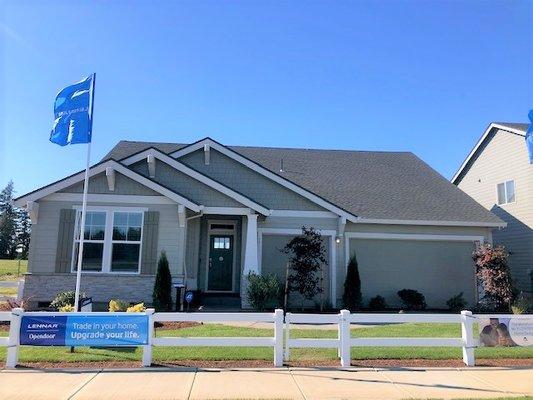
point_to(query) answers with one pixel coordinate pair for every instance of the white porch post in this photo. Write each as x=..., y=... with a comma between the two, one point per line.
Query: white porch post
x=251, y=261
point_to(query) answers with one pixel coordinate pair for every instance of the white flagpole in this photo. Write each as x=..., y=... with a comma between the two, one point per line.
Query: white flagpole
x=84, y=203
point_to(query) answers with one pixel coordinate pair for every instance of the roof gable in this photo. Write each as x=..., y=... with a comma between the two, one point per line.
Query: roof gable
x=513, y=128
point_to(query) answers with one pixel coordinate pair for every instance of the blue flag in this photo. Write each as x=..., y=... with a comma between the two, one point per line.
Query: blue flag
x=73, y=113
x=529, y=137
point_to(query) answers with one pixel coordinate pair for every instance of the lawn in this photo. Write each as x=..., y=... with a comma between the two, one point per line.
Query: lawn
x=12, y=269
x=60, y=354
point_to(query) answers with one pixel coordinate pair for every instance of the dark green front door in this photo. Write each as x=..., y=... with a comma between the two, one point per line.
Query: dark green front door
x=220, y=263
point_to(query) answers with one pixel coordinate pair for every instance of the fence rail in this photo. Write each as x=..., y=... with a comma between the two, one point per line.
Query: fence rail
x=282, y=329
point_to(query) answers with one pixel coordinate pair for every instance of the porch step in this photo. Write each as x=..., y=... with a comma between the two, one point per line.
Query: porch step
x=221, y=300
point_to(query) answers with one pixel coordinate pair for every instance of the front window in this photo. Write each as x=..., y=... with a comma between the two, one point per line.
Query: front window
x=93, y=241
x=127, y=232
x=506, y=192
x=112, y=241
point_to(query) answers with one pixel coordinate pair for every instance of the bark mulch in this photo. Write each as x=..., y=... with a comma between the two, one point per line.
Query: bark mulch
x=391, y=363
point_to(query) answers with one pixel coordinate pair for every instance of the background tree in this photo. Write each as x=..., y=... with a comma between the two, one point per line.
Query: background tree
x=352, y=297
x=307, y=256
x=8, y=242
x=162, y=294
x=493, y=272
x=23, y=232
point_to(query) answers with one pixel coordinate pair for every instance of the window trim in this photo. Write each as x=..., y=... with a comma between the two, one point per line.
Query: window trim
x=504, y=183
x=108, y=238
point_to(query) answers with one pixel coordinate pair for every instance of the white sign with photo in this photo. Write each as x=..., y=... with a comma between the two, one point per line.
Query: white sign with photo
x=505, y=331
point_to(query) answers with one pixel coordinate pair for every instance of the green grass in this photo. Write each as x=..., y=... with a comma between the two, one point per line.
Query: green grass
x=11, y=270
x=52, y=354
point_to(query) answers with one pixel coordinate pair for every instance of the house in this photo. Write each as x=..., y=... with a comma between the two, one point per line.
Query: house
x=221, y=212
x=498, y=175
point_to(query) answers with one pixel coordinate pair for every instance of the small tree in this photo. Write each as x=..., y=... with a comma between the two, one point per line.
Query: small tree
x=8, y=223
x=307, y=256
x=493, y=272
x=352, y=297
x=23, y=232
x=162, y=294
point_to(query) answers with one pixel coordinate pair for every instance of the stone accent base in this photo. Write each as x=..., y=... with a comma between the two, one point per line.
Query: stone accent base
x=101, y=287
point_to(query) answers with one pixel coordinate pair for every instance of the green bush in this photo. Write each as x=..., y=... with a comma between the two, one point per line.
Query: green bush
x=351, y=297
x=263, y=291
x=162, y=294
x=65, y=298
x=457, y=302
x=521, y=305
x=412, y=299
x=377, y=303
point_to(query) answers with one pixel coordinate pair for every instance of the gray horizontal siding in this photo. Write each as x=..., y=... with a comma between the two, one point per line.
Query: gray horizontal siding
x=45, y=234
x=244, y=180
x=186, y=186
x=123, y=185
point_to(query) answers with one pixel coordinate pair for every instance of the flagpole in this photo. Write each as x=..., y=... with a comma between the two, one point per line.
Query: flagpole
x=84, y=201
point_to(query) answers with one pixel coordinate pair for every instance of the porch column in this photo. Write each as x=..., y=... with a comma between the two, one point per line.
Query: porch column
x=251, y=261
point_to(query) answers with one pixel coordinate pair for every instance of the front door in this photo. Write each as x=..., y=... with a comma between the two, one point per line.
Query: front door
x=220, y=263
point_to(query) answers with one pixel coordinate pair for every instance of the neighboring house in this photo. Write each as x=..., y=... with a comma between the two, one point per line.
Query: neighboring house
x=498, y=175
x=221, y=212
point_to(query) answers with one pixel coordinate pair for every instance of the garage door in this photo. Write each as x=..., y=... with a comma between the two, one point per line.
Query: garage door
x=439, y=270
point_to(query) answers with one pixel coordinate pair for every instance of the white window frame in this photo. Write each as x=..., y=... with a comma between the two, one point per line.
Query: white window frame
x=505, y=192
x=108, y=239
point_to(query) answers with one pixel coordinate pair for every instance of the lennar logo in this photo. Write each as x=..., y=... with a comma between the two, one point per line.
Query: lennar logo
x=43, y=326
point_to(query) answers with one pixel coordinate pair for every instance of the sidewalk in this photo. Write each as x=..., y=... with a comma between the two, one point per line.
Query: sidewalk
x=280, y=383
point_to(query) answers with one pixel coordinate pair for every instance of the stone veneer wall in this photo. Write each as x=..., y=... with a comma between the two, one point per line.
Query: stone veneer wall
x=101, y=287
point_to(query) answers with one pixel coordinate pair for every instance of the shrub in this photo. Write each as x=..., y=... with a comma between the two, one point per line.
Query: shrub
x=493, y=272
x=162, y=294
x=377, y=303
x=307, y=256
x=66, y=308
x=65, y=298
x=263, y=291
x=521, y=305
x=136, y=308
x=457, y=302
x=412, y=299
x=351, y=297
x=117, y=305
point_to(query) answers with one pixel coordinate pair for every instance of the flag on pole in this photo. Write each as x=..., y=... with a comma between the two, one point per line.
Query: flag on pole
x=529, y=137
x=73, y=113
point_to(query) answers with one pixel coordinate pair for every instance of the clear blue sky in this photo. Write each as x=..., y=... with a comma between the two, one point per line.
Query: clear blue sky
x=422, y=76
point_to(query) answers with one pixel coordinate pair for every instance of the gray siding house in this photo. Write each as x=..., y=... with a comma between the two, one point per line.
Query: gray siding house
x=221, y=212
x=498, y=175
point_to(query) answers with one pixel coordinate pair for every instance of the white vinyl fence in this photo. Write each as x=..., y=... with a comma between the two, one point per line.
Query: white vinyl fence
x=276, y=342
x=343, y=342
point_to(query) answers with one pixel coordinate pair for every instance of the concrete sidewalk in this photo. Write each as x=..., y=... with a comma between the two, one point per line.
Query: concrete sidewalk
x=279, y=383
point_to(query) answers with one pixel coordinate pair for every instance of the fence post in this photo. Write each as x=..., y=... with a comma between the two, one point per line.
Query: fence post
x=278, y=338
x=344, y=337
x=13, y=343
x=147, y=349
x=467, y=327
x=287, y=335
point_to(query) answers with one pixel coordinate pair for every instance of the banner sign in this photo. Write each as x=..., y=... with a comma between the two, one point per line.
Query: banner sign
x=84, y=330
x=507, y=331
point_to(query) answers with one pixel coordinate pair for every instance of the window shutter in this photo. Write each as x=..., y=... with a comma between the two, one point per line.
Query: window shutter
x=65, y=239
x=149, y=243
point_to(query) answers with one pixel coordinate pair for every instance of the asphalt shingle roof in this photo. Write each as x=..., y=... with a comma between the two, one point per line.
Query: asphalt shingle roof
x=513, y=125
x=373, y=185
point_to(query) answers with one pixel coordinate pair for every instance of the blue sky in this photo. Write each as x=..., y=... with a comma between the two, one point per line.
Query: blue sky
x=420, y=76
